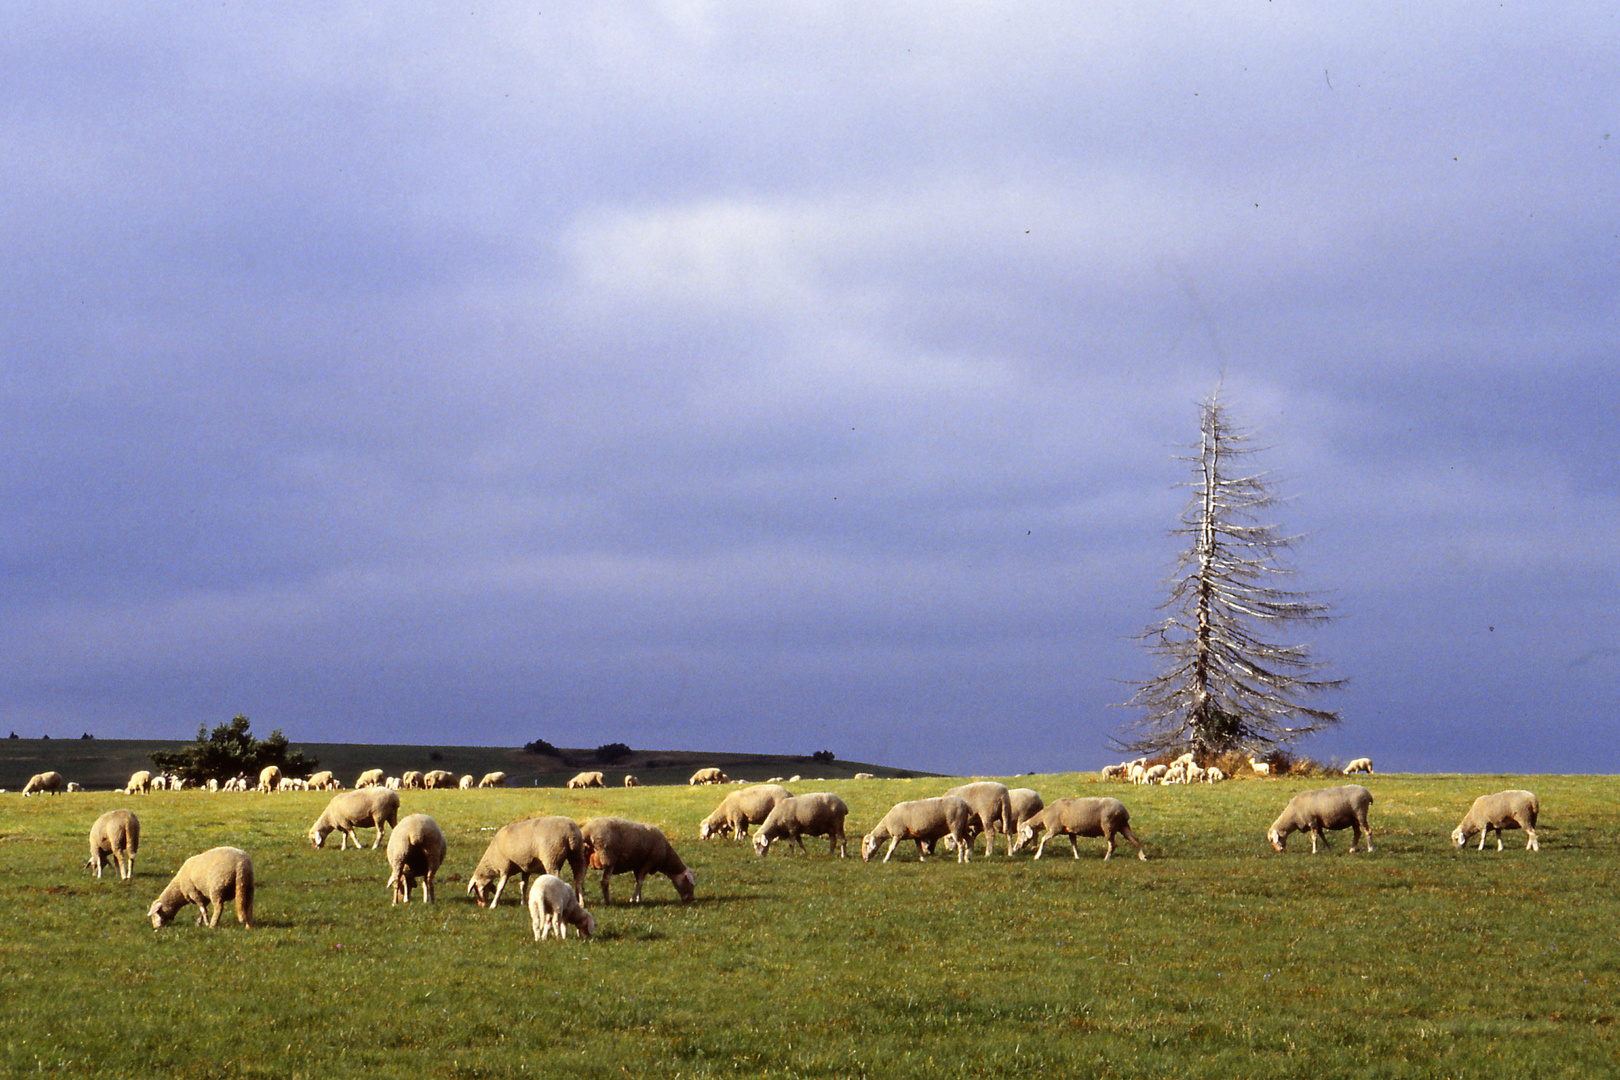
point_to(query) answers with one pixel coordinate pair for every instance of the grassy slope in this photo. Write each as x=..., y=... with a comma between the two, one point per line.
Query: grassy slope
x=1215, y=958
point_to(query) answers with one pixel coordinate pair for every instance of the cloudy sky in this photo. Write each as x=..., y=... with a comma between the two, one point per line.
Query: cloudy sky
x=784, y=377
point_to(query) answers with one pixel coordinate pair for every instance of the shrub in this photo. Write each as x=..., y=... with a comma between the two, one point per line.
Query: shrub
x=608, y=753
x=824, y=756
x=540, y=746
x=229, y=751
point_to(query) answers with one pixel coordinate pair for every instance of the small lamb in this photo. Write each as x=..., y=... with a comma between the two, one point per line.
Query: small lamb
x=820, y=813
x=554, y=907
x=416, y=848
x=922, y=820
x=1327, y=808
x=1515, y=809
x=217, y=875
x=1081, y=817
x=117, y=833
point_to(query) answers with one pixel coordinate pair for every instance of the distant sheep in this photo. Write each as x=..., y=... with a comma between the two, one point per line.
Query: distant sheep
x=587, y=780
x=411, y=780
x=531, y=846
x=1516, y=809
x=1081, y=817
x=711, y=775
x=364, y=808
x=740, y=809
x=117, y=834
x=615, y=845
x=217, y=875
x=466, y=783
x=323, y=781
x=1213, y=775
x=554, y=907
x=74, y=785
x=1327, y=808
x=863, y=776
x=370, y=778
x=416, y=848
x=48, y=783
x=819, y=813
x=1261, y=768
x=140, y=783
x=438, y=779
x=1360, y=765
x=630, y=781
x=925, y=821
x=492, y=779
x=992, y=811
x=269, y=778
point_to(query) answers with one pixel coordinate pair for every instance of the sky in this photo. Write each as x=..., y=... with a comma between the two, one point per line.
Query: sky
x=800, y=376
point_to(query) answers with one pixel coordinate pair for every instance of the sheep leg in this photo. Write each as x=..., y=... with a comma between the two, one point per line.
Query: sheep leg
x=537, y=922
x=500, y=885
x=1498, y=838
x=641, y=875
x=1041, y=848
x=607, y=872
x=1366, y=831
x=1131, y=836
x=1531, y=844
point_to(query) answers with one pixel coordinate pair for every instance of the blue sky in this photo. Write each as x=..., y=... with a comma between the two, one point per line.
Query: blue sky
x=800, y=376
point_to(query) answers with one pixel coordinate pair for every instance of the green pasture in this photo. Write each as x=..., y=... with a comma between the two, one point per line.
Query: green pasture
x=1216, y=958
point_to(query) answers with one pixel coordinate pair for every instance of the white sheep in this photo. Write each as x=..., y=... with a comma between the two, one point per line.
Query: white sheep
x=1261, y=768
x=631, y=781
x=1116, y=772
x=269, y=778
x=370, y=778
x=48, y=783
x=1214, y=775
x=819, y=813
x=73, y=786
x=1326, y=808
x=1359, y=765
x=416, y=848
x=213, y=877
x=554, y=907
x=1081, y=817
x=411, y=780
x=530, y=846
x=614, y=845
x=1515, y=809
x=925, y=821
x=587, y=780
x=992, y=811
x=394, y=783
x=863, y=776
x=466, y=783
x=492, y=779
x=117, y=833
x=366, y=808
x=438, y=779
x=140, y=783
x=323, y=781
x=710, y=775
x=740, y=809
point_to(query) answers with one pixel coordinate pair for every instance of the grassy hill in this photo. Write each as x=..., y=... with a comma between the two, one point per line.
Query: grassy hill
x=105, y=764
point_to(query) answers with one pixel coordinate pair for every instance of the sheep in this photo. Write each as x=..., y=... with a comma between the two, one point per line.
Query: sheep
x=740, y=809
x=992, y=811
x=370, y=778
x=438, y=778
x=366, y=808
x=1115, y=772
x=465, y=783
x=46, y=782
x=140, y=783
x=1138, y=774
x=863, y=776
x=213, y=877
x=614, y=845
x=1261, y=768
x=1156, y=774
x=269, y=778
x=323, y=781
x=394, y=783
x=631, y=781
x=492, y=779
x=1361, y=764
x=1515, y=809
x=1025, y=803
x=1325, y=808
x=1081, y=817
x=415, y=847
x=411, y=780
x=117, y=833
x=820, y=813
x=1214, y=775
x=710, y=775
x=554, y=907
x=922, y=820
x=74, y=785
x=587, y=779
x=530, y=846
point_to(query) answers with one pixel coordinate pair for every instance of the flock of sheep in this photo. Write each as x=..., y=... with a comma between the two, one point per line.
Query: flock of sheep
x=547, y=846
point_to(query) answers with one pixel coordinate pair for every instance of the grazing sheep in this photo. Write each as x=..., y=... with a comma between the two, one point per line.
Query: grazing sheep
x=992, y=811
x=394, y=783
x=492, y=779
x=465, y=783
x=438, y=779
x=49, y=783
x=140, y=783
x=531, y=846
x=1326, y=808
x=711, y=775
x=1115, y=772
x=554, y=907
x=587, y=779
x=1214, y=775
x=74, y=785
x=863, y=776
x=117, y=833
x=1515, y=809
x=370, y=778
x=1025, y=803
x=740, y=809
x=1081, y=817
x=411, y=780
x=1361, y=764
x=416, y=848
x=615, y=845
x=820, y=813
x=1138, y=774
x=922, y=820
x=269, y=778
x=630, y=781
x=323, y=781
x=366, y=808
x=217, y=875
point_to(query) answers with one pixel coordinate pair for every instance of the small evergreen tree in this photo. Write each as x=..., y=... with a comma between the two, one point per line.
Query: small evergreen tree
x=231, y=750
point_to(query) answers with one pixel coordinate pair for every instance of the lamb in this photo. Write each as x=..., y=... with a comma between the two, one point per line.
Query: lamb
x=530, y=846
x=217, y=875
x=140, y=783
x=1515, y=809
x=366, y=808
x=370, y=778
x=493, y=779
x=554, y=906
x=631, y=781
x=416, y=847
x=269, y=778
x=742, y=808
x=438, y=778
x=1081, y=817
x=1361, y=764
x=615, y=845
x=922, y=820
x=992, y=811
x=116, y=833
x=711, y=775
x=587, y=779
x=46, y=782
x=820, y=813
x=1326, y=808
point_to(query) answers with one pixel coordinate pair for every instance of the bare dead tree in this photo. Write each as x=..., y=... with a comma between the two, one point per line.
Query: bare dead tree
x=1223, y=684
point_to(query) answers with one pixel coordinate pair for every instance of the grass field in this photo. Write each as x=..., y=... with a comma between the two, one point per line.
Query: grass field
x=1216, y=958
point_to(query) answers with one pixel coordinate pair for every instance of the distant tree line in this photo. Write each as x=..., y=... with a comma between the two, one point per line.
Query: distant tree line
x=231, y=750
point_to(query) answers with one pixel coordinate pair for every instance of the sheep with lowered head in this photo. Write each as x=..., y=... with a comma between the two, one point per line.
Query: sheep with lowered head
x=586, y=780
x=492, y=779
x=740, y=809
x=922, y=820
x=710, y=775
x=614, y=845
x=554, y=907
x=1081, y=817
x=117, y=833
x=819, y=813
x=1516, y=809
x=1361, y=764
x=531, y=846
x=217, y=875
x=364, y=808
x=439, y=779
x=1325, y=808
x=48, y=783
x=416, y=849
x=992, y=811
x=140, y=783
x=370, y=778
x=631, y=781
